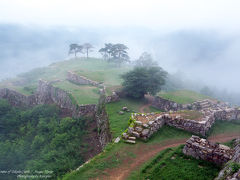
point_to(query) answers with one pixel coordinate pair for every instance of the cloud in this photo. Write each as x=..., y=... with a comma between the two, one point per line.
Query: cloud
x=160, y=15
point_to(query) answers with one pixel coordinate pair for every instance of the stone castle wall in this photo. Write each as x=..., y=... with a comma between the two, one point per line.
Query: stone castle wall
x=48, y=94
x=227, y=172
x=103, y=122
x=144, y=130
x=202, y=149
x=81, y=80
x=165, y=104
x=197, y=127
x=17, y=99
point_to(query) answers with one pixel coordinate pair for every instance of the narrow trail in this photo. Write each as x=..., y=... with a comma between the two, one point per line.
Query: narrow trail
x=141, y=109
x=149, y=102
x=146, y=152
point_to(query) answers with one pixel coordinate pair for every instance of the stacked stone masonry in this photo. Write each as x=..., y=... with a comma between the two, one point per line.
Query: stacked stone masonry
x=81, y=80
x=144, y=130
x=200, y=148
x=217, y=153
x=227, y=172
x=211, y=111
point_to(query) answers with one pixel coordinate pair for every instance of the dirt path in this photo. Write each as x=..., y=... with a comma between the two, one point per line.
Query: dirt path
x=141, y=109
x=146, y=152
x=149, y=102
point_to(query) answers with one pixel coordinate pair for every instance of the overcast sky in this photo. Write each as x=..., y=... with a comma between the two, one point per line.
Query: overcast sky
x=155, y=14
x=198, y=37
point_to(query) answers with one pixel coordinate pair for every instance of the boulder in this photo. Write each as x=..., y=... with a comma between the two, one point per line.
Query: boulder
x=145, y=132
x=121, y=112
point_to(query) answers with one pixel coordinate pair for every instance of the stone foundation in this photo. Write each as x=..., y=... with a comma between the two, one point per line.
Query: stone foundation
x=202, y=149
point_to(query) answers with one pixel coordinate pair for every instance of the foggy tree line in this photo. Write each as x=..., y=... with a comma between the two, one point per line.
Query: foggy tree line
x=84, y=49
x=111, y=52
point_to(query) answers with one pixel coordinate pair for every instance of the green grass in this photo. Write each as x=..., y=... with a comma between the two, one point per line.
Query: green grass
x=182, y=96
x=178, y=168
x=83, y=94
x=93, y=68
x=115, y=154
x=118, y=123
x=167, y=133
x=172, y=164
x=222, y=127
x=112, y=156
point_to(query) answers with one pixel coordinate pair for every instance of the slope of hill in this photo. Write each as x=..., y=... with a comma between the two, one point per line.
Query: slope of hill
x=183, y=96
x=92, y=68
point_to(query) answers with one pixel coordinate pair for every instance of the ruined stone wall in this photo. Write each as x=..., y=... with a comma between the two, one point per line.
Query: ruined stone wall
x=228, y=114
x=142, y=130
x=48, y=94
x=227, y=172
x=17, y=99
x=165, y=104
x=202, y=149
x=103, y=122
x=196, y=127
x=77, y=79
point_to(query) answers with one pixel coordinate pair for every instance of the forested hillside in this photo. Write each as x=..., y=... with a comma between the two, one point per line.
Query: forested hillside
x=39, y=139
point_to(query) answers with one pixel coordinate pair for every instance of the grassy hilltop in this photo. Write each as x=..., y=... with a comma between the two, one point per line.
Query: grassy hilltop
x=92, y=68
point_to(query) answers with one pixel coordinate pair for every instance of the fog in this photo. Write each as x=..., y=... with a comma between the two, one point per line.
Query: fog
x=197, y=40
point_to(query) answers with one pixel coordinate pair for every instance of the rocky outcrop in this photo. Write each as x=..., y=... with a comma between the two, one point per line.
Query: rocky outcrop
x=202, y=149
x=165, y=104
x=81, y=80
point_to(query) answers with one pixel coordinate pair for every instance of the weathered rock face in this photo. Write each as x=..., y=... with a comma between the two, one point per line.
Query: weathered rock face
x=202, y=149
x=81, y=80
x=165, y=104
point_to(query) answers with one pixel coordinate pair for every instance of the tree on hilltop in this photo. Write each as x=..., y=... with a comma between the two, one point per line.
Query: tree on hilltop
x=106, y=51
x=142, y=80
x=115, y=52
x=88, y=48
x=74, y=49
